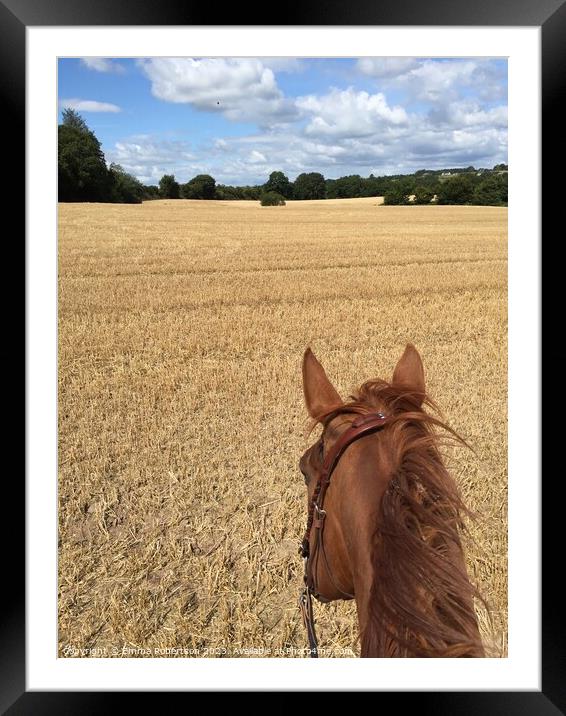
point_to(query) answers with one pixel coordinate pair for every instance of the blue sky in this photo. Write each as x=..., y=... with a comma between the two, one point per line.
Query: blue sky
x=239, y=119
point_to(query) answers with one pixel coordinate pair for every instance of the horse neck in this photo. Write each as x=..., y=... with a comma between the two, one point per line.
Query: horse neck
x=419, y=589
x=398, y=512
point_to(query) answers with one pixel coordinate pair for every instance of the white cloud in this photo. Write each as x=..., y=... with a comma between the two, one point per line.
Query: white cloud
x=250, y=159
x=349, y=113
x=477, y=146
x=437, y=81
x=148, y=150
x=419, y=143
x=103, y=64
x=88, y=105
x=469, y=113
x=433, y=80
x=257, y=157
x=445, y=114
x=149, y=158
x=243, y=90
x=283, y=64
x=386, y=66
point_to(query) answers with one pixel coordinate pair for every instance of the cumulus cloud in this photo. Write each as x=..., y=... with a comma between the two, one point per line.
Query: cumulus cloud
x=434, y=80
x=88, y=105
x=336, y=157
x=243, y=90
x=149, y=158
x=102, y=64
x=349, y=113
x=444, y=114
x=480, y=147
x=256, y=157
x=250, y=159
x=456, y=109
x=386, y=66
x=146, y=149
x=469, y=113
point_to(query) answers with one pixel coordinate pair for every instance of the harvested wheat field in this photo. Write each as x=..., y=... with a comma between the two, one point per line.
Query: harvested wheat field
x=182, y=326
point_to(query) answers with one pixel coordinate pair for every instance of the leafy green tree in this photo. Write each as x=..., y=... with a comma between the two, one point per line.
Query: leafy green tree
x=492, y=191
x=280, y=184
x=272, y=198
x=398, y=192
x=82, y=171
x=126, y=189
x=223, y=191
x=71, y=118
x=203, y=186
x=168, y=187
x=423, y=194
x=386, y=185
x=456, y=190
x=150, y=191
x=309, y=186
x=371, y=186
x=251, y=192
x=348, y=187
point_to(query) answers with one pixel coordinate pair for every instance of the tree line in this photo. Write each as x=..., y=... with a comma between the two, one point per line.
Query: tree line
x=487, y=187
x=84, y=176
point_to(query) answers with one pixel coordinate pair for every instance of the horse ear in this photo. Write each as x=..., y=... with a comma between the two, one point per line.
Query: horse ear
x=409, y=372
x=320, y=394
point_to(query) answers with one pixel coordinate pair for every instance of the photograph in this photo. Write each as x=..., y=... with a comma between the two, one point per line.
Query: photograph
x=282, y=356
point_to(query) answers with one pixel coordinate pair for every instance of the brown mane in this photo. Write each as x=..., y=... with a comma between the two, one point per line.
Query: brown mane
x=421, y=600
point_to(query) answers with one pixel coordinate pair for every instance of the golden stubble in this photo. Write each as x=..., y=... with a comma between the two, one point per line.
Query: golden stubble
x=182, y=326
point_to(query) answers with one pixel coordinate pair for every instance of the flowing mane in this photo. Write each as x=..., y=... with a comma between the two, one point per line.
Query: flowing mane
x=422, y=601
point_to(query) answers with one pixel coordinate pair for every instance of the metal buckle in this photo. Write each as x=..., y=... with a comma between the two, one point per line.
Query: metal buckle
x=304, y=607
x=319, y=515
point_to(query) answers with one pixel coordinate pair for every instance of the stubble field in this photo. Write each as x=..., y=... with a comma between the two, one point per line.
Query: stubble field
x=182, y=326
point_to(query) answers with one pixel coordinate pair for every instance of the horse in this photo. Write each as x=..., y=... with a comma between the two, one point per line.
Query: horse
x=385, y=517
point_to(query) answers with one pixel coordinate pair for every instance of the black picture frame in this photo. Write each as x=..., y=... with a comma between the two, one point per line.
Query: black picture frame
x=550, y=16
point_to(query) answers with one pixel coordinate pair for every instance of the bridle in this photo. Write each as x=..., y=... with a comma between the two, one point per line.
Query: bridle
x=362, y=425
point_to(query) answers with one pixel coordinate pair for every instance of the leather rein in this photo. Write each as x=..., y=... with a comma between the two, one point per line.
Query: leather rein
x=361, y=426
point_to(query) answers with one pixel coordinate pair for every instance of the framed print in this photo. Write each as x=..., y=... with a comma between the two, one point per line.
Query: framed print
x=163, y=346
